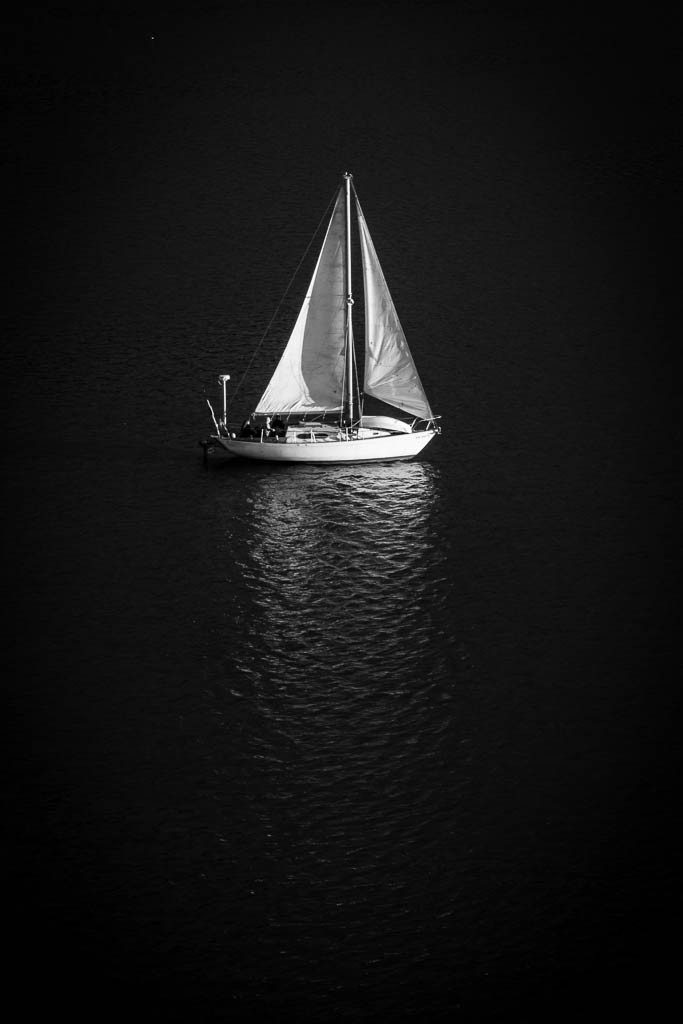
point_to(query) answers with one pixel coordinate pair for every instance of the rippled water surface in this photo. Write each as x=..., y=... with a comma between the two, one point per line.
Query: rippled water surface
x=372, y=742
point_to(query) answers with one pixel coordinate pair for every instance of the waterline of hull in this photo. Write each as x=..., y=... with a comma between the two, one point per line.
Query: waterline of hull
x=372, y=449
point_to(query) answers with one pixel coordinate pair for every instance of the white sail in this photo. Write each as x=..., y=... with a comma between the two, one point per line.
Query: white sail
x=310, y=374
x=390, y=372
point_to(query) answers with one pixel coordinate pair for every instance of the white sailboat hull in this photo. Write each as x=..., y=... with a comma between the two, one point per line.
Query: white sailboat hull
x=363, y=449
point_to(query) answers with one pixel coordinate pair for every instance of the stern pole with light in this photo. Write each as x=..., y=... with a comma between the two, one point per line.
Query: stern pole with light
x=223, y=379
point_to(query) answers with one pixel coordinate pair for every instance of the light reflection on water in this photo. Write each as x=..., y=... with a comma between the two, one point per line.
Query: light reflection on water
x=341, y=570
x=347, y=721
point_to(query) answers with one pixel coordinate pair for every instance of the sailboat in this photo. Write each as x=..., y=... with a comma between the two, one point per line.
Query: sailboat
x=312, y=409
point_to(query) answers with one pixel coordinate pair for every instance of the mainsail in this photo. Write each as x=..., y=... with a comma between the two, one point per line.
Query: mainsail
x=310, y=374
x=390, y=372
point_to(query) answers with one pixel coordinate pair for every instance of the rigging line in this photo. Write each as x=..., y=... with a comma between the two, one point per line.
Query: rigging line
x=284, y=296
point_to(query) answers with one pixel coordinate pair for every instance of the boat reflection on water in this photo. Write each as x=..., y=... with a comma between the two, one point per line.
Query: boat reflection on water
x=341, y=568
x=339, y=737
x=344, y=644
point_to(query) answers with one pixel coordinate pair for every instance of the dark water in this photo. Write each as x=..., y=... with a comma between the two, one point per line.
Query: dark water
x=348, y=743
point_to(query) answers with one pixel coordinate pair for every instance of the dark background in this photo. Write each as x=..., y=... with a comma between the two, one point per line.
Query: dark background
x=520, y=176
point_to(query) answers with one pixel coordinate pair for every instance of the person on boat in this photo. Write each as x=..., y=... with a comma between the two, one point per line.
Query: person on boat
x=277, y=427
x=248, y=427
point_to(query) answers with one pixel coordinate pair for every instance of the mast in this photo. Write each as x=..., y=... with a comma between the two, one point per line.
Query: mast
x=349, y=299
